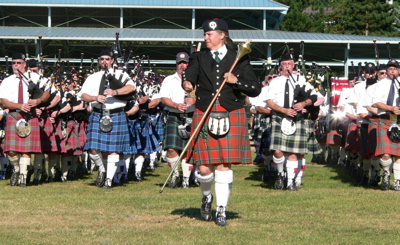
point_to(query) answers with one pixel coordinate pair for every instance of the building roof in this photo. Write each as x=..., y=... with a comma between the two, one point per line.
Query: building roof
x=182, y=35
x=182, y=4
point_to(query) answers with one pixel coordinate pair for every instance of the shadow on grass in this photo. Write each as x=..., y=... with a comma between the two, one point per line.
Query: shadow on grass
x=264, y=181
x=194, y=213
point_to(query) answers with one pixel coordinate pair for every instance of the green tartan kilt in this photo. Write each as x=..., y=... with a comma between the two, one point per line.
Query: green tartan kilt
x=295, y=143
x=171, y=137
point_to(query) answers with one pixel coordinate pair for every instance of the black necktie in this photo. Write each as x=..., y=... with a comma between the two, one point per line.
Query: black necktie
x=390, y=98
x=286, y=102
x=216, y=57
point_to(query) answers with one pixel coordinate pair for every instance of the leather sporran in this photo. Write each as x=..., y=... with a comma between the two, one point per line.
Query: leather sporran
x=218, y=123
x=23, y=128
x=393, y=133
x=184, y=130
x=288, y=126
x=106, y=124
x=64, y=130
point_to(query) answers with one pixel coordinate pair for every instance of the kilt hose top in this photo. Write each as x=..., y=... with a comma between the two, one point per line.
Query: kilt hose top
x=234, y=147
x=115, y=141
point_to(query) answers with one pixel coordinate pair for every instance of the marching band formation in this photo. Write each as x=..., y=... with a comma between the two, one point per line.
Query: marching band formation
x=57, y=119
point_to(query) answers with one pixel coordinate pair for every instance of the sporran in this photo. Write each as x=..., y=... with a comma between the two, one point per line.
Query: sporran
x=106, y=124
x=23, y=128
x=218, y=123
x=288, y=126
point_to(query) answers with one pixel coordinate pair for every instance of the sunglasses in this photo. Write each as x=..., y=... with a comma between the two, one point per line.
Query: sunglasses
x=271, y=77
x=105, y=58
x=382, y=73
x=17, y=62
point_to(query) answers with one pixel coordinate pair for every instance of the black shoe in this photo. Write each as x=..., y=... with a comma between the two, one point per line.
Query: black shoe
x=101, y=179
x=138, y=176
x=35, y=181
x=279, y=182
x=174, y=182
x=385, y=182
x=291, y=187
x=43, y=179
x=22, y=180
x=29, y=175
x=206, y=208
x=221, y=219
x=124, y=179
x=364, y=181
x=14, y=179
x=71, y=175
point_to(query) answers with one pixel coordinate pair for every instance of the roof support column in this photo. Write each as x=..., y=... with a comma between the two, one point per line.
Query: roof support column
x=346, y=60
x=121, y=18
x=48, y=16
x=269, y=54
x=264, y=20
x=193, y=27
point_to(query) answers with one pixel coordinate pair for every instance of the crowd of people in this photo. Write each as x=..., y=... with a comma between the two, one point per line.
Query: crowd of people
x=114, y=119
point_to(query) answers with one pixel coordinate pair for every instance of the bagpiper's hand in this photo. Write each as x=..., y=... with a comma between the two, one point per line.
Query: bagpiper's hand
x=34, y=102
x=299, y=106
x=396, y=110
x=290, y=112
x=38, y=112
x=25, y=107
x=181, y=107
x=187, y=86
x=101, y=98
x=110, y=92
x=190, y=101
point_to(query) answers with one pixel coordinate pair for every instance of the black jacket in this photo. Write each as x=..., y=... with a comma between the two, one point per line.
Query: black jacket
x=206, y=76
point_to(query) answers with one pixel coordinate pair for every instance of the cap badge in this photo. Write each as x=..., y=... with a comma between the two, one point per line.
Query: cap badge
x=212, y=25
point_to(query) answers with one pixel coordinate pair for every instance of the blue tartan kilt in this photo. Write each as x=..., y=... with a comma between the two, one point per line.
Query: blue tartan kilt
x=158, y=127
x=117, y=140
x=145, y=136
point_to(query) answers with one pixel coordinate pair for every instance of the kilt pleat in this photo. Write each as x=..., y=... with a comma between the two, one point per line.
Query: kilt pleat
x=296, y=143
x=372, y=136
x=76, y=137
x=353, y=138
x=312, y=144
x=52, y=139
x=146, y=135
x=232, y=148
x=29, y=144
x=115, y=141
x=384, y=144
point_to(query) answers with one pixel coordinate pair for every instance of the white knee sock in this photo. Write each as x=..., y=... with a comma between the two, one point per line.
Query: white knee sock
x=279, y=163
x=96, y=158
x=172, y=162
x=139, y=163
x=112, y=165
x=127, y=162
x=396, y=171
x=290, y=168
x=205, y=183
x=186, y=169
x=301, y=165
x=223, y=185
x=14, y=161
x=152, y=158
x=386, y=165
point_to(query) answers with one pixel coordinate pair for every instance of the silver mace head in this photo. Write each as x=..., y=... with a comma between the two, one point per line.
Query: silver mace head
x=243, y=49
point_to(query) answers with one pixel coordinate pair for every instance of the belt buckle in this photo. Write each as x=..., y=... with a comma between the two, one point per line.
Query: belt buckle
x=106, y=111
x=393, y=117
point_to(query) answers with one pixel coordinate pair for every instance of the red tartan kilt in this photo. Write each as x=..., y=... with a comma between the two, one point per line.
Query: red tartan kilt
x=232, y=148
x=333, y=138
x=352, y=139
x=384, y=144
x=372, y=137
x=52, y=136
x=76, y=138
x=29, y=144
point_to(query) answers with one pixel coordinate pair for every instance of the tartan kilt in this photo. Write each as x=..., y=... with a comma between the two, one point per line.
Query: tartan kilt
x=145, y=135
x=363, y=143
x=260, y=124
x=313, y=146
x=232, y=148
x=384, y=144
x=158, y=127
x=265, y=140
x=296, y=143
x=51, y=134
x=372, y=136
x=76, y=137
x=30, y=144
x=115, y=141
x=333, y=138
x=353, y=138
x=171, y=137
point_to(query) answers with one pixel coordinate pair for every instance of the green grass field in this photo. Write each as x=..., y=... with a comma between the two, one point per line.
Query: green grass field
x=330, y=208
